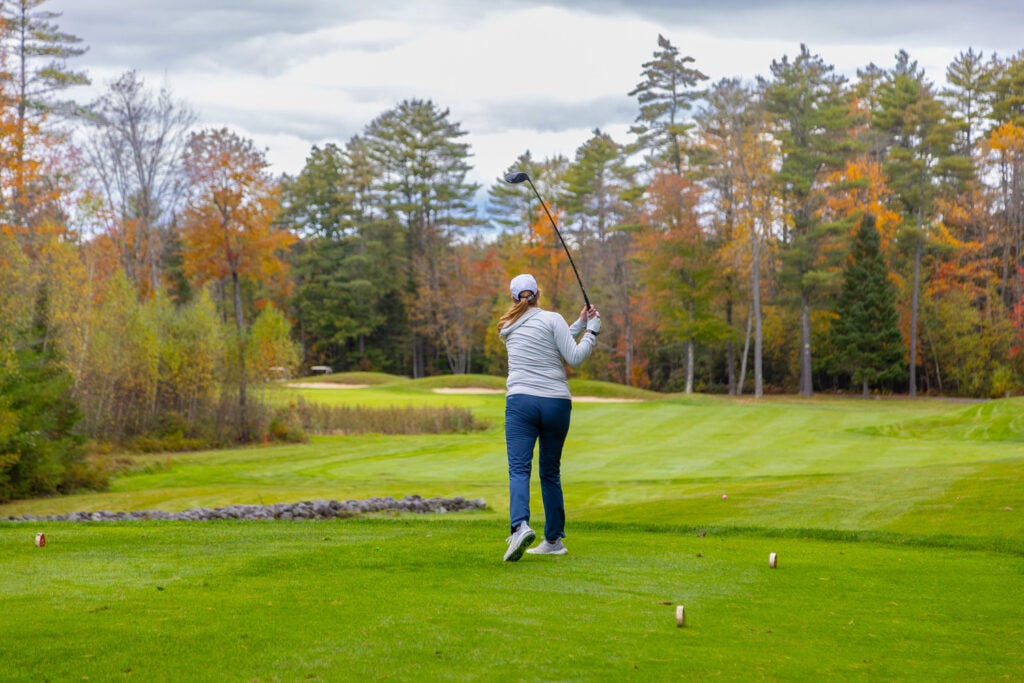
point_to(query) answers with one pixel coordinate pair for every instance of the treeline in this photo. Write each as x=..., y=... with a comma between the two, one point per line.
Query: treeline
x=804, y=232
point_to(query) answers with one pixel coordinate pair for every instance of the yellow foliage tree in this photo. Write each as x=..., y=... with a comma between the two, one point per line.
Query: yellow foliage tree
x=229, y=232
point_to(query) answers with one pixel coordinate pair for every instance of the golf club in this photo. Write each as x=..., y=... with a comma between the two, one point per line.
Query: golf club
x=516, y=177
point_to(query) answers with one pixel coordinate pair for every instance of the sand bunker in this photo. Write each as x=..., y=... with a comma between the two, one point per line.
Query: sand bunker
x=604, y=399
x=460, y=390
x=468, y=390
x=577, y=399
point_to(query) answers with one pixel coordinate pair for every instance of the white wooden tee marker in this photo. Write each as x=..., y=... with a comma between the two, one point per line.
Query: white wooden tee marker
x=680, y=616
x=773, y=560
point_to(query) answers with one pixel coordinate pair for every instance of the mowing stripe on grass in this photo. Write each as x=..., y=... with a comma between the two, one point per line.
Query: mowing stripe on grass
x=431, y=600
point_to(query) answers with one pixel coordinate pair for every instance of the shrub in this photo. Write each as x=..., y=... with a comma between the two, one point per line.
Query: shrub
x=322, y=419
x=38, y=445
x=284, y=427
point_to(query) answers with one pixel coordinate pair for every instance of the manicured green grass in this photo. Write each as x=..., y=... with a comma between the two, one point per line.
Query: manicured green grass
x=899, y=527
x=427, y=600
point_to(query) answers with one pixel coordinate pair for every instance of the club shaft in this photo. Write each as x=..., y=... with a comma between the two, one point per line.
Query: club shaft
x=586, y=299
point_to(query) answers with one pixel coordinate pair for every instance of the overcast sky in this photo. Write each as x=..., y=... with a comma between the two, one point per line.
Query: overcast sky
x=516, y=76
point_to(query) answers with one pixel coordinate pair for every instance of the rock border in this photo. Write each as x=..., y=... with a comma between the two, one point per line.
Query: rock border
x=316, y=509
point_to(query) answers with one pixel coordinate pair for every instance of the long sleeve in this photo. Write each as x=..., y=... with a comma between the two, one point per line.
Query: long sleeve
x=572, y=351
x=539, y=345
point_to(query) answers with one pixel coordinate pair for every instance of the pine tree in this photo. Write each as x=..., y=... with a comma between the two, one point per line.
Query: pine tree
x=601, y=198
x=508, y=207
x=1005, y=137
x=35, y=52
x=737, y=154
x=666, y=94
x=40, y=51
x=921, y=158
x=808, y=103
x=37, y=455
x=421, y=183
x=865, y=337
x=968, y=82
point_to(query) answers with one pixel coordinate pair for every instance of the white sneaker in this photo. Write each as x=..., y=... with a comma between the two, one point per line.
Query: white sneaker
x=521, y=539
x=546, y=547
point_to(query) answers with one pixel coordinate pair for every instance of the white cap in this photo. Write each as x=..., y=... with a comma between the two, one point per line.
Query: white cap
x=523, y=283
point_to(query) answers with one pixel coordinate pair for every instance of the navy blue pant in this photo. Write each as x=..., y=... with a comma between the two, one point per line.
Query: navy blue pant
x=529, y=419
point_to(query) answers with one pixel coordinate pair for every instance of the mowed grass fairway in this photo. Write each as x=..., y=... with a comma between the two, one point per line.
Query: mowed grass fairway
x=899, y=528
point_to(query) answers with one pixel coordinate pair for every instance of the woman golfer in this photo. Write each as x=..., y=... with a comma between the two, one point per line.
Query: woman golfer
x=537, y=408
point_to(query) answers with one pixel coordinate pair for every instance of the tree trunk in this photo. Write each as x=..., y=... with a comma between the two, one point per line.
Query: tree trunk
x=730, y=350
x=243, y=421
x=935, y=358
x=689, y=366
x=758, y=351
x=806, y=384
x=689, y=353
x=913, y=318
x=743, y=361
x=628, y=337
x=418, y=361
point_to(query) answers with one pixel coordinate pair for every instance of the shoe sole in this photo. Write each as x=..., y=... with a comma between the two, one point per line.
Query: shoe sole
x=514, y=554
x=538, y=551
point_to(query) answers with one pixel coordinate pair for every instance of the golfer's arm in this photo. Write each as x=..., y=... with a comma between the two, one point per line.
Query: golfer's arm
x=573, y=353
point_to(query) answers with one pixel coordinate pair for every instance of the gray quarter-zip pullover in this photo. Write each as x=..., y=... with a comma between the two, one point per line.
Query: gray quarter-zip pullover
x=538, y=344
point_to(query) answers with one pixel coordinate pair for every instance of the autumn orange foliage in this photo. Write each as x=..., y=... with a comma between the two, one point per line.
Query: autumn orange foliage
x=670, y=245
x=543, y=256
x=861, y=187
x=229, y=230
x=30, y=176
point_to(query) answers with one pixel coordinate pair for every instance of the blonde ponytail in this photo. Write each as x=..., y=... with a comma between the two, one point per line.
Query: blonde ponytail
x=515, y=312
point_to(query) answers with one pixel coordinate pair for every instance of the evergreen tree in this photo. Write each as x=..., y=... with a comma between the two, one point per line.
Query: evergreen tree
x=811, y=110
x=1006, y=136
x=866, y=92
x=1007, y=90
x=601, y=203
x=40, y=51
x=865, y=338
x=315, y=203
x=511, y=209
x=34, y=54
x=921, y=158
x=666, y=94
x=508, y=207
x=349, y=266
x=421, y=184
x=736, y=158
x=38, y=454
x=966, y=96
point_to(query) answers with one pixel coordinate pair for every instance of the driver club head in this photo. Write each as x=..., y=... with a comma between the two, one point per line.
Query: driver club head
x=516, y=177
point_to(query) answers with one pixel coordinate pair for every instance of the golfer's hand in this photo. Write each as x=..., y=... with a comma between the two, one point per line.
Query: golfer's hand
x=593, y=319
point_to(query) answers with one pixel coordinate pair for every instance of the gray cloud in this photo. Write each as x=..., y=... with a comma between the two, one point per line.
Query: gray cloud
x=311, y=126
x=267, y=36
x=161, y=34
x=547, y=116
x=991, y=24
x=254, y=41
